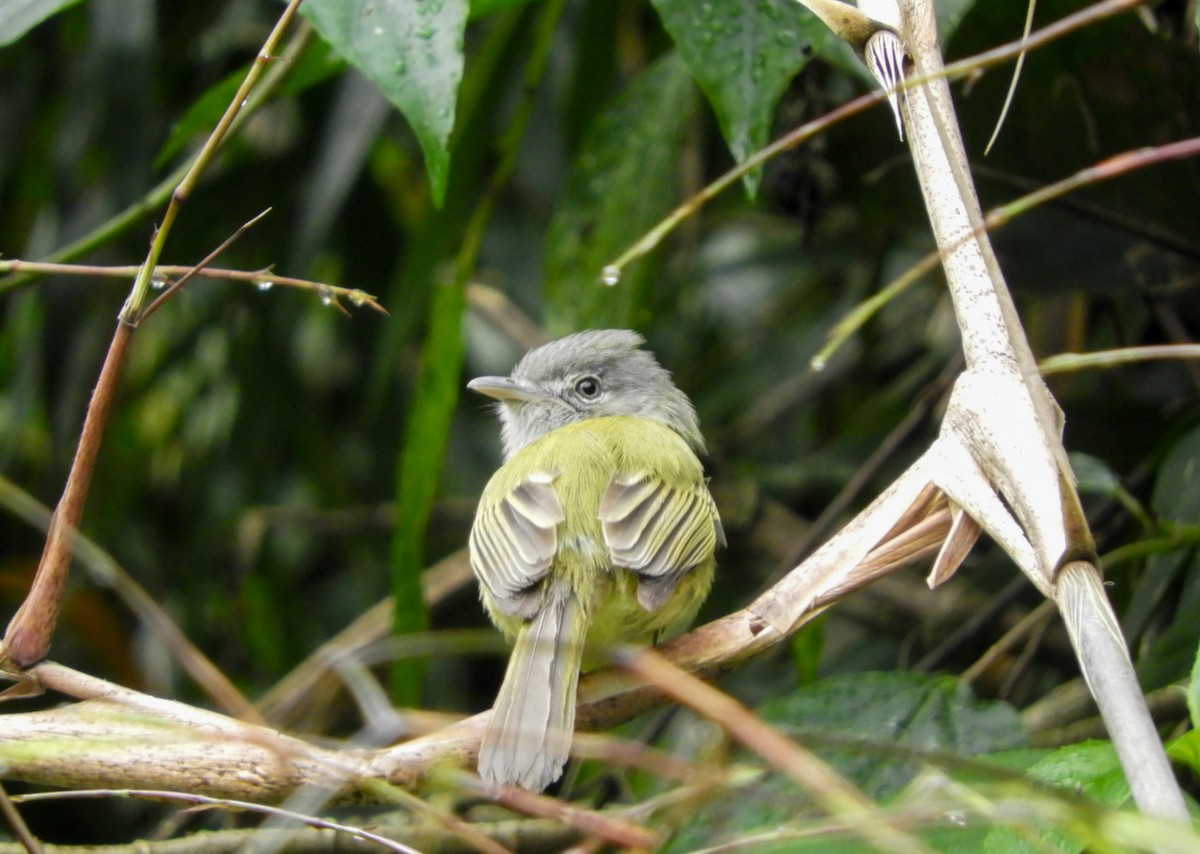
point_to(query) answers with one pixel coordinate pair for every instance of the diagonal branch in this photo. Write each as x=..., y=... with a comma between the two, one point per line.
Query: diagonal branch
x=120, y=738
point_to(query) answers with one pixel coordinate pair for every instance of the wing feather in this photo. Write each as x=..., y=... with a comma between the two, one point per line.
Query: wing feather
x=658, y=531
x=513, y=542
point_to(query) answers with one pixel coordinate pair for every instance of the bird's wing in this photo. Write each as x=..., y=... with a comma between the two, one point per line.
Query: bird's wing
x=658, y=530
x=514, y=540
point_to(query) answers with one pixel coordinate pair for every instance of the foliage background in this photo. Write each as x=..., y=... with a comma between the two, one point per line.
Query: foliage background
x=253, y=469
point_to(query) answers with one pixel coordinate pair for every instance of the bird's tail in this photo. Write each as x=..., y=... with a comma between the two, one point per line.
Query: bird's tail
x=528, y=738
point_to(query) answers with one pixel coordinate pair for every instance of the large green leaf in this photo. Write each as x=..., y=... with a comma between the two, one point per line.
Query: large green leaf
x=743, y=55
x=413, y=51
x=867, y=726
x=907, y=709
x=622, y=182
x=17, y=17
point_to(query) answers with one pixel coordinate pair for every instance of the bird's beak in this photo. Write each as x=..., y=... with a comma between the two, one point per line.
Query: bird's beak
x=503, y=388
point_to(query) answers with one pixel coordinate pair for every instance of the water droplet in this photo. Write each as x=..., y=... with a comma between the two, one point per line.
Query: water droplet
x=264, y=284
x=328, y=297
x=158, y=281
x=358, y=297
x=378, y=31
x=610, y=275
x=244, y=100
x=818, y=363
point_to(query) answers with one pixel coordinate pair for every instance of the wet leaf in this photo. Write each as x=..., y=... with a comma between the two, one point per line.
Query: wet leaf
x=622, y=182
x=17, y=17
x=413, y=51
x=743, y=55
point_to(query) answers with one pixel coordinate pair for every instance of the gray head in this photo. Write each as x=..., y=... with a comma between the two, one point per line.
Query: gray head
x=587, y=375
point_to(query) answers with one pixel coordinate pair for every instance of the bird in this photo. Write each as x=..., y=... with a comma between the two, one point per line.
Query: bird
x=598, y=528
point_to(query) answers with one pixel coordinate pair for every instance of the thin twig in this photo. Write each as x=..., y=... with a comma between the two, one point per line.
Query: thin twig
x=262, y=279
x=1111, y=167
x=1037, y=617
x=203, y=801
x=16, y=823
x=193, y=271
x=1067, y=362
x=27, y=638
x=955, y=70
x=609, y=828
x=1016, y=77
x=161, y=192
x=132, y=309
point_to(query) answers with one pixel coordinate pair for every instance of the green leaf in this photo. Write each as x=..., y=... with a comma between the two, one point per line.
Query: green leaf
x=807, y=645
x=1193, y=694
x=482, y=8
x=1094, y=475
x=906, y=709
x=419, y=469
x=622, y=182
x=1170, y=583
x=949, y=15
x=1090, y=769
x=413, y=51
x=17, y=17
x=867, y=726
x=743, y=55
x=1177, y=490
x=1186, y=749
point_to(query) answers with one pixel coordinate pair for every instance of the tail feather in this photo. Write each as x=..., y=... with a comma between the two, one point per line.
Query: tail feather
x=528, y=738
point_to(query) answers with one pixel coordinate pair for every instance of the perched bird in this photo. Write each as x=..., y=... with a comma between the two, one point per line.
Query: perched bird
x=598, y=528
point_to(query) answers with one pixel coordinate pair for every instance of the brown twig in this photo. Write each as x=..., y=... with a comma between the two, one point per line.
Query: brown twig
x=262, y=279
x=1035, y=619
x=970, y=65
x=194, y=271
x=613, y=830
x=105, y=571
x=16, y=823
x=132, y=309
x=27, y=639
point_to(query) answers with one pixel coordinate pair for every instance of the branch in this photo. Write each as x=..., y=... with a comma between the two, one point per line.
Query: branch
x=1000, y=445
x=119, y=738
x=27, y=638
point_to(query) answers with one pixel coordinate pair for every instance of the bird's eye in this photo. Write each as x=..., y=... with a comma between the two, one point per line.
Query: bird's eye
x=588, y=387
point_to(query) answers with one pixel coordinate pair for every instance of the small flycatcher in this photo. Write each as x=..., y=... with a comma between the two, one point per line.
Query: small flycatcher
x=599, y=528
